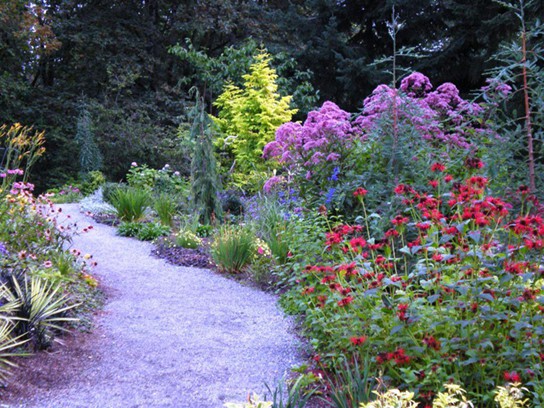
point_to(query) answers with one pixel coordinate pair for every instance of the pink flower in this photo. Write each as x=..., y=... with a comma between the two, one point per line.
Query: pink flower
x=47, y=264
x=133, y=164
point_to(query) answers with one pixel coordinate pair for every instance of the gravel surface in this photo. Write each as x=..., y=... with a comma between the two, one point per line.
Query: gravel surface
x=169, y=336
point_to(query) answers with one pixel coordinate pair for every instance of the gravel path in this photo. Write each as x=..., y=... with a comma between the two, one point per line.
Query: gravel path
x=171, y=336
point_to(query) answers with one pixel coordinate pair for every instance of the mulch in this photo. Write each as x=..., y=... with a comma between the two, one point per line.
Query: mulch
x=198, y=258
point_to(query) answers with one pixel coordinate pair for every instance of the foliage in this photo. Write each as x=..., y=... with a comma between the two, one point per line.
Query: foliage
x=187, y=239
x=205, y=184
x=511, y=396
x=90, y=158
x=109, y=189
x=350, y=385
x=249, y=116
x=271, y=222
x=204, y=231
x=160, y=181
x=295, y=397
x=130, y=203
x=92, y=181
x=166, y=207
x=41, y=311
x=233, y=248
x=144, y=231
x=455, y=268
x=518, y=82
x=129, y=229
x=150, y=231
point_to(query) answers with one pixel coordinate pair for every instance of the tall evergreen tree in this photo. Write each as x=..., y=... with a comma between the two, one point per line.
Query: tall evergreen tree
x=204, y=178
x=90, y=158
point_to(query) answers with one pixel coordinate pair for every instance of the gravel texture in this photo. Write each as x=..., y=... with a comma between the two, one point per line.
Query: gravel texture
x=169, y=336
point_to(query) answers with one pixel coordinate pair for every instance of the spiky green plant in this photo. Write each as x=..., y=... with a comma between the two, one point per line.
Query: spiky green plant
x=130, y=203
x=233, y=248
x=350, y=385
x=165, y=205
x=41, y=310
x=8, y=342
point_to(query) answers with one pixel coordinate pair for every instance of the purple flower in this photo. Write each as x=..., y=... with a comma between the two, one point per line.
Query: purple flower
x=271, y=182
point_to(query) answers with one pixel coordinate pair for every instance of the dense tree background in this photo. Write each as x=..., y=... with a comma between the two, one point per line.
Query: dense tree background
x=113, y=57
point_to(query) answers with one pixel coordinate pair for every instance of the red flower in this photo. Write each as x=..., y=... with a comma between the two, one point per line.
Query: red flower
x=357, y=243
x=360, y=192
x=474, y=163
x=346, y=301
x=356, y=341
x=438, y=167
x=431, y=342
x=399, y=220
x=448, y=178
x=512, y=376
x=433, y=183
x=401, y=312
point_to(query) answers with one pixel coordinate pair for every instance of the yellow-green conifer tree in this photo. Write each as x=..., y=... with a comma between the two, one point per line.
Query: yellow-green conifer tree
x=248, y=118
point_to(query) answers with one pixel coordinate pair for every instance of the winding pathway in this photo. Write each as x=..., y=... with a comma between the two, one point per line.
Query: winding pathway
x=170, y=336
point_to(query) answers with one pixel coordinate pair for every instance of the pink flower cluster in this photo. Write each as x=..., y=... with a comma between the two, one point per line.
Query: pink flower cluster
x=319, y=140
x=441, y=115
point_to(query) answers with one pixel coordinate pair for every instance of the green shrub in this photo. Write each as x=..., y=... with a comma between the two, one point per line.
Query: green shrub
x=233, y=248
x=187, y=239
x=129, y=229
x=92, y=182
x=130, y=203
x=165, y=206
x=204, y=231
x=150, y=231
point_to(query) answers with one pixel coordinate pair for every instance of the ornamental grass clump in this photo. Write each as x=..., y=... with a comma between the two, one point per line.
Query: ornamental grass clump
x=452, y=291
x=166, y=207
x=130, y=203
x=233, y=248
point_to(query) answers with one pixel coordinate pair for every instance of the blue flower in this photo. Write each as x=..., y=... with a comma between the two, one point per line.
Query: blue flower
x=335, y=173
x=330, y=195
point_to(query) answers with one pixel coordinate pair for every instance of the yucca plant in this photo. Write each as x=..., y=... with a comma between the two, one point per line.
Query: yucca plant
x=233, y=248
x=8, y=342
x=130, y=203
x=165, y=206
x=41, y=310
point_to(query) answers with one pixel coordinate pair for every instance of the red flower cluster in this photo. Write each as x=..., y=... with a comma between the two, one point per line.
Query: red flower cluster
x=512, y=376
x=402, y=310
x=360, y=192
x=399, y=356
x=357, y=341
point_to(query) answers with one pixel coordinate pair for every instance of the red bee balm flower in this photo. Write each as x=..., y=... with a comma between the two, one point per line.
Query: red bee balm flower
x=356, y=341
x=360, y=192
x=512, y=376
x=438, y=167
